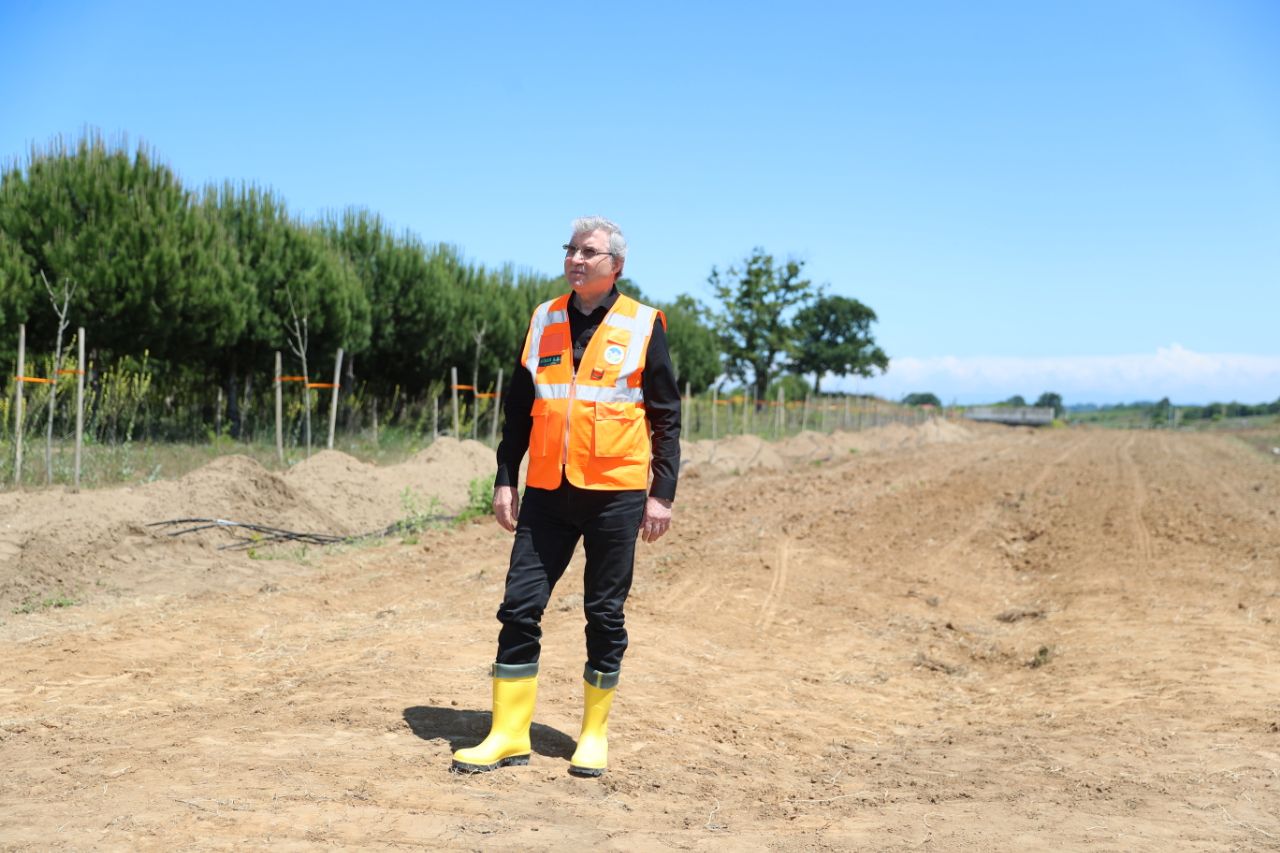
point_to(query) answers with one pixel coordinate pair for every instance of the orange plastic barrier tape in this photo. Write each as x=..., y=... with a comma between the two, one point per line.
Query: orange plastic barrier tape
x=465, y=387
x=322, y=385
x=35, y=379
x=292, y=379
x=485, y=394
x=70, y=372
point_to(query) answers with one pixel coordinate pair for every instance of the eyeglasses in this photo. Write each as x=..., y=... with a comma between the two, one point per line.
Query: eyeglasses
x=588, y=255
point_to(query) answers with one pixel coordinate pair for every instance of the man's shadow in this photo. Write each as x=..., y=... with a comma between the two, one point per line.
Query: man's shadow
x=467, y=728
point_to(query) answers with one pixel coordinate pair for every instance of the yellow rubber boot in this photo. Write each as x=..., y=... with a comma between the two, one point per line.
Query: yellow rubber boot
x=592, y=755
x=508, y=740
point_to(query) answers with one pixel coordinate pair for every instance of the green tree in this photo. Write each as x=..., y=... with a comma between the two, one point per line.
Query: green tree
x=833, y=335
x=927, y=398
x=756, y=301
x=278, y=259
x=1016, y=400
x=695, y=350
x=793, y=387
x=14, y=273
x=1053, y=401
x=415, y=301
x=1162, y=413
x=152, y=270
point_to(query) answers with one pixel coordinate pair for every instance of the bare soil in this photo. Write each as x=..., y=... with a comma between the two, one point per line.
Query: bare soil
x=947, y=637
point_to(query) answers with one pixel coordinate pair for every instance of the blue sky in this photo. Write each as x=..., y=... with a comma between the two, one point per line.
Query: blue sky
x=1077, y=196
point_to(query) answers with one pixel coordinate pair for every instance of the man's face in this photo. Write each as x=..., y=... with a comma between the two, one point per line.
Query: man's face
x=591, y=278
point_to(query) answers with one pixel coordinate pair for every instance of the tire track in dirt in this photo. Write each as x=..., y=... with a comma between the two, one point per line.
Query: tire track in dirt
x=769, y=607
x=1221, y=458
x=1136, y=502
x=989, y=513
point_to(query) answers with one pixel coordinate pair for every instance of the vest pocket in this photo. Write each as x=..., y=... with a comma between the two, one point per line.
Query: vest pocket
x=538, y=443
x=619, y=430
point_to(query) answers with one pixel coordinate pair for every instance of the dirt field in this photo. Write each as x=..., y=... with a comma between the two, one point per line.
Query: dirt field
x=950, y=639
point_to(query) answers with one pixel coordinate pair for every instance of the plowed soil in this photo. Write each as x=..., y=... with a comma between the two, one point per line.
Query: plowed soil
x=944, y=638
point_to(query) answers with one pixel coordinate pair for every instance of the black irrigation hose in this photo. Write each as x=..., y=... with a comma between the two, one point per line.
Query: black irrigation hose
x=274, y=535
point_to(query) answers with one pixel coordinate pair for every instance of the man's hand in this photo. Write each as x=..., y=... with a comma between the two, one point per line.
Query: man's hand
x=506, y=507
x=657, y=518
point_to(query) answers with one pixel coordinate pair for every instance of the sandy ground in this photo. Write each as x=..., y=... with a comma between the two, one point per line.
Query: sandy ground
x=943, y=638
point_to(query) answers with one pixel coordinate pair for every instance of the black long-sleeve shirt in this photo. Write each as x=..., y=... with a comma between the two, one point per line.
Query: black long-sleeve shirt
x=661, y=403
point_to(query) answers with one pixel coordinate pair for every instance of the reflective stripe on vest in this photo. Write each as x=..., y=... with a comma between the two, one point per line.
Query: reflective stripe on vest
x=589, y=424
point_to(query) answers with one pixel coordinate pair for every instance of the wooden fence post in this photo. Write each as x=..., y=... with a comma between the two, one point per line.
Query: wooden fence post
x=435, y=418
x=780, y=421
x=453, y=373
x=279, y=412
x=333, y=401
x=17, y=409
x=715, y=393
x=79, y=404
x=497, y=407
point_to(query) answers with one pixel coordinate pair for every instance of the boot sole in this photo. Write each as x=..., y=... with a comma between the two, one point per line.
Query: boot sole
x=509, y=761
x=586, y=772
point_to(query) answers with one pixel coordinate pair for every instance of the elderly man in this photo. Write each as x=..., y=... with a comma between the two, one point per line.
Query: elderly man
x=593, y=380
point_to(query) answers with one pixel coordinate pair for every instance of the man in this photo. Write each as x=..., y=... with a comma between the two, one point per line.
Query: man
x=593, y=380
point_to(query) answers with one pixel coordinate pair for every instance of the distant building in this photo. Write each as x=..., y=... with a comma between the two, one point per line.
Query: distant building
x=1013, y=415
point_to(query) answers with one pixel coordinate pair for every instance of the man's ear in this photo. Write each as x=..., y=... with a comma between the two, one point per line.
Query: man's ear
x=617, y=274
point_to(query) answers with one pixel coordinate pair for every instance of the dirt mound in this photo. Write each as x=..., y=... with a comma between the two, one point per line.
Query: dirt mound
x=806, y=446
x=362, y=497
x=54, y=540
x=346, y=488
x=55, y=543
x=238, y=488
x=734, y=455
x=738, y=454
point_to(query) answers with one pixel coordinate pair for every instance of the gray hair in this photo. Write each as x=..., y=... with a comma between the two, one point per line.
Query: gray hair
x=617, y=243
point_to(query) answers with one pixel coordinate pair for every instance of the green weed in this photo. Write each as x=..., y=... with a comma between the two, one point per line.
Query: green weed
x=479, y=500
x=35, y=604
x=418, y=516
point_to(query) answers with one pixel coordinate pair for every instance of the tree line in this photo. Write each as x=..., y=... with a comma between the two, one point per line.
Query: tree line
x=207, y=284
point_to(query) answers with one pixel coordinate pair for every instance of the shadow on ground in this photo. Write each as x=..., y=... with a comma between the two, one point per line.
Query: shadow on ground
x=467, y=728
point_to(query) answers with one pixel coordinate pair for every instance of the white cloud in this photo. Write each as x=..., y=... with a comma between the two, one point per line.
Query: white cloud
x=1185, y=376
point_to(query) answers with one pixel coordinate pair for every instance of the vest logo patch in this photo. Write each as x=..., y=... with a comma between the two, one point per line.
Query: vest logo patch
x=548, y=360
x=613, y=354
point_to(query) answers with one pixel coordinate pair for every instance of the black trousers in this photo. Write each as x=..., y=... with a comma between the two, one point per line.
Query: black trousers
x=551, y=523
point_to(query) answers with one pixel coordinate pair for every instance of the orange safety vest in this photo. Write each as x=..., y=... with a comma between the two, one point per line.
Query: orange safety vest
x=591, y=425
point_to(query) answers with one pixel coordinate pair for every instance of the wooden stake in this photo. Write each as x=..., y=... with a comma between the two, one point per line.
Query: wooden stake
x=453, y=373
x=715, y=393
x=781, y=420
x=435, y=418
x=279, y=412
x=217, y=417
x=333, y=401
x=686, y=406
x=497, y=408
x=375, y=420
x=79, y=404
x=17, y=408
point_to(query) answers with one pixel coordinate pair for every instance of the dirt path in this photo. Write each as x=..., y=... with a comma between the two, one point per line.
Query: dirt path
x=1062, y=640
